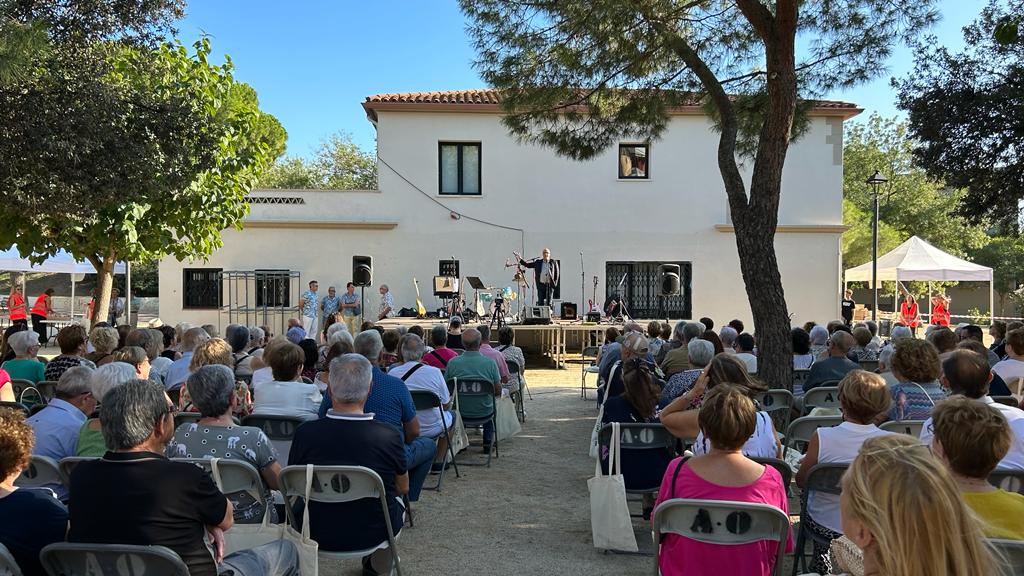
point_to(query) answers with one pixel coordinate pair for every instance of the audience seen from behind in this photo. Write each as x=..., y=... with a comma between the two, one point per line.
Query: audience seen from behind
x=137, y=359
x=339, y=347
x=158, y=501
x=350, y=435
x=390, y=340
x=6, y=352
x=915, y=364
x=57, y=426
x=263, y=372
x=744, y=351
x=90, y=441
x=700, y=352
x=239, y=339
x=488, y=351
x=971, y=439
x=943, y=339
x=454, y=333
x=512, y=353
x=103, y=340
x=863, y=398
x=216, y=352
x=312, y=357
x=151, y=342
x=678, y=359
x=180, y=368
x=802, y=357
x=728, y=336
x=423, y=377
x=998, y=333
x=632, y=348
x=170, y=341
x=973, y=332
x=819, y=342
x=900, y=506
x=863, y=349
x=72, y=340
x=728, y=418
x=25, y=365
x=996, y=387
x=441, y=353
x=712, y=336
x=1011, y=369
x=48, y=517
x=835, y=365
x=286, y=394
x=612, y=353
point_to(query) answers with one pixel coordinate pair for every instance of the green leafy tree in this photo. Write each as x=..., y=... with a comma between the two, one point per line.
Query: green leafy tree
x=578, y=76
x=291, y=173
x=339, y=164
x=1005, y=255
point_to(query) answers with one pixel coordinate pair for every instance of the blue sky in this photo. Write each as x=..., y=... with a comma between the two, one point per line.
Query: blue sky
x=312, y=62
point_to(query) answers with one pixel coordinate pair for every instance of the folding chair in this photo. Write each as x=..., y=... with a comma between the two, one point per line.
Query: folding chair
x=589, y=354
x=335, y=485
x=186, y=418
x=869, y=365
x=908, y=427
x=636, y=440
x=41, y=472
x=721, y=522
x=801, y=429
x=175, y=396
x=781, y=465
x=67, y=465
x=427, y=400
x=236, y=479
x=517, y=397
x=8, y=567
x=1008, y=400
x=1009, y=480
x=48, y=389
x=474, y=400
x=459, y=351
x=26, y=392
x=1008, y=553
x=15, y=406
x=799, y=378
x=825, y=478
x=821, y=397
x=778, y=403
x=279, y=429
x=69, y=559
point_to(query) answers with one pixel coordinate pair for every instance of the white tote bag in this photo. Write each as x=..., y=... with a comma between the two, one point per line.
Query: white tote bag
x=506, y=422
x=610, y=523
x=594, y=449
x=246, y=536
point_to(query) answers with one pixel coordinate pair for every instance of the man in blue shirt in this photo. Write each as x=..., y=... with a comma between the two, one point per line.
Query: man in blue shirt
x=330, y=304
x=350, y=308
x=57, y=426
x=309, y=308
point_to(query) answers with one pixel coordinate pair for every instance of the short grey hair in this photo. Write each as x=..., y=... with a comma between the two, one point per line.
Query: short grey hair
x=350, y=376
x=211, y=330
x=237, y=337
x=341, y=336
x=819, y=335
x=369, y=345
x=75, y=382
x=109, y=376
x=901, y=332
x=130, y=413
x=632, y=326
x=335, y=328
x=256, y=334
x=455, y=321
x=700, y=352
x=677, y=332
x=21, y=341
x=210, y=388
x=471, y=339
x=104, y=339
x=144, y=338
x=485, y=333
x=131, y=355
x=412, y=348
x=728, y=336
x=438, y=335
x=193, y=337
x=692, y=330
x=885, y=358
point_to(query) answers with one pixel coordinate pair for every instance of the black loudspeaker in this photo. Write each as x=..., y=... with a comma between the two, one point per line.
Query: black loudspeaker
x=569, y=310
x=362, y=270
x=670, y=283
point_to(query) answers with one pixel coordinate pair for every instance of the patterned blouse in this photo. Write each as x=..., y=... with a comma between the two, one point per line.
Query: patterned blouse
x=515, y=354
x=913, y=401
x=679, y=384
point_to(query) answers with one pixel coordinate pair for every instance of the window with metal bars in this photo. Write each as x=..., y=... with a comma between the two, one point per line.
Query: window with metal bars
x=201, y=288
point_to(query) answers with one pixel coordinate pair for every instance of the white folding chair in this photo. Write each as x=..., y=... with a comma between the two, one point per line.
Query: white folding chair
x=908, y=427
x=1009, y=553
x=427, y=400
x=801, y=429
x=68, y=559
x=8, y=567
x=821, y=397
x=236, y=479
x=589, y=366
x=279, y=429
x=67, y=465
x=1009, y=480
x=825, y=478
x=778, y=403
x=40, y=472
x=721, y=522
x=335, y=485
x=799, y=378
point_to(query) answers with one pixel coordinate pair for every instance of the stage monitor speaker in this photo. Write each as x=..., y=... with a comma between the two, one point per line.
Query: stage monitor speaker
x=569, y=310
x=670, y=283
x=537, y=315
x=594, y=317
x=362, y=270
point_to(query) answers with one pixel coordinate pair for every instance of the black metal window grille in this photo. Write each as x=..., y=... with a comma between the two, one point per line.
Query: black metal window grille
x=641, y=289
x=273, y=288
x=201, y=288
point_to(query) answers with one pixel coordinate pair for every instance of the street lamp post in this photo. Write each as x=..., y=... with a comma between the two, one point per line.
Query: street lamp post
x=874, y=180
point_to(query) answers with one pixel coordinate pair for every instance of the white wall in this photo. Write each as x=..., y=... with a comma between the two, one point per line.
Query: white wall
x=565, y=205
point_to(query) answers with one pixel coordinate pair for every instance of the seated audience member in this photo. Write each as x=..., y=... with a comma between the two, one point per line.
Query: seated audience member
x=441, y=354
x=836, y=365
x=179, y=369
x=6, y=352
x=900, y=332
x=863, y=397
x=25, y=365
x=390, y=402
x=263, y=372
x=612, y=335
x=728, y=418
x=239, y=338
x=419, y=376
x=136, y=357
x=900, y=506
x=998, y=333
x=150, y=341
x=72, y=340
x=876, y=342
x=973, y=332
x=390, y=339
x=728, y=335
x=802, y=357
x=654, y=340
x=472, y=365
x=90, y=436
x=736, y=325
x=341, y=334
x=915, y=363
x=211, y=330
x=863, y=349
x=885, y=366
x=670, y=343
x=744, y=348
x=700, y=353
x=512, y=353
x=611, y=353
x=455, y=333
x=135, y=495
x=1011, y=369
x=295, y=335
x=213, y=393
x=32, y=518
x=996, y=387
x=170, y=340
x=678, y=360
x=943, y=339
x=287, y=394
x=966, y=373
x=217, y=352
x=680, y=416
x=971, y=439
x=715, y=341
x=312, y=356
x=122, y=334
x=349, y=435
x=708, y=323
x=819, y=342
x=57, y=426
x=339, y=348
x=632, y=347
x=258, y=338
x=487, y=350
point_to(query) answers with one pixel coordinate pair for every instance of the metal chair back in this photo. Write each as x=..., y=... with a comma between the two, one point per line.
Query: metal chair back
x=1009, y=553
x=15, y=406
x=635, y=438
x=427, y=400
x=799, y=378
x=238, y=479
x=8, y=566
x=821, y=397
x=40, y=472
x=67, y=559
x=908, y=427
x=825, y=478
x=1009, y=480
x=67, y=465
x=869, y=365
x=801, y=429
x=279, y=429
x=186, y=418
x=778, y=403
x=1007, y=400
x=781, y=466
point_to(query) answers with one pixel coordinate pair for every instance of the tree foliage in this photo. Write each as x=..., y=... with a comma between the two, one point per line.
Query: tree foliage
x=965, y=113
x=338, y=164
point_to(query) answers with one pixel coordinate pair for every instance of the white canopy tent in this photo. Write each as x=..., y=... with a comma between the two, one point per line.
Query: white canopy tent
x=918, y=260
x=60, y=263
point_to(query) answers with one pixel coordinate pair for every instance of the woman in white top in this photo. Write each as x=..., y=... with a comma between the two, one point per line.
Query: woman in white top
x=863, y=397
x=287, y=394
x=1012, y=368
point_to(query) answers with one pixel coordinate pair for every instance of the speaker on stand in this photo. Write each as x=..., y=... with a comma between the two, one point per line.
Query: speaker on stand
x=670, y=283
x=362, y=276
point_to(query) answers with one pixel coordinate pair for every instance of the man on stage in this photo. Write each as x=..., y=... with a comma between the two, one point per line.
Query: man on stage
x=545, y=272
x=308, y=308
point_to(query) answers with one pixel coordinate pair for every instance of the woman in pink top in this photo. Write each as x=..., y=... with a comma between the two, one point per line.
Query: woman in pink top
x=728, y=418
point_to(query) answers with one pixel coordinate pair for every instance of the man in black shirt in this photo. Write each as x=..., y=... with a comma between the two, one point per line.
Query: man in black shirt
x=349, y=437
x=134, y=495
x=848, y=305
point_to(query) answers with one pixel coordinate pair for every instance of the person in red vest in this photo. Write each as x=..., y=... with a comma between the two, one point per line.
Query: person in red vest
x=940, y=310
x=908, y=313
x=40, y=312
x=17, y=308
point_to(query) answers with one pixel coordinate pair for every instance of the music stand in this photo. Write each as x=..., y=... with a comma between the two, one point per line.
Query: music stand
x=477, y=285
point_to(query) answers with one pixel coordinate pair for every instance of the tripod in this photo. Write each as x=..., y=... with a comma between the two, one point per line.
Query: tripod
x=498, y=314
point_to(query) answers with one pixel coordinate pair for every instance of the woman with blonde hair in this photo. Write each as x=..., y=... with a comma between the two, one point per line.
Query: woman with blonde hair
x=902, y=509
x=104, y=340
x=213, y=352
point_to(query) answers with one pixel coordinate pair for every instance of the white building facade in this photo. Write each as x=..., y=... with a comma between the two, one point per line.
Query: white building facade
x=454, y=183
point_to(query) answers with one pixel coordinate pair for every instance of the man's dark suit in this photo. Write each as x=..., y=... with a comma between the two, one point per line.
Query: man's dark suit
x=544, y=291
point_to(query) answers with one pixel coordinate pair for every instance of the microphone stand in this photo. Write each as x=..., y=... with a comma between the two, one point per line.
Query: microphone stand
x=583, y=287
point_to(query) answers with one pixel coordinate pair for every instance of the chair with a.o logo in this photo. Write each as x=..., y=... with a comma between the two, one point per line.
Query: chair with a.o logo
x=474, y=400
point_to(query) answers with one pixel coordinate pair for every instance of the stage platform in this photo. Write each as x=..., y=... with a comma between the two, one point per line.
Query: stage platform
x=556, y=340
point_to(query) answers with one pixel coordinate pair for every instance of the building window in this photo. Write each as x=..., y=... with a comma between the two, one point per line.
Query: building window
x=634, y=161
x=459, y=168
x=273, y=288
x=201, y=288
